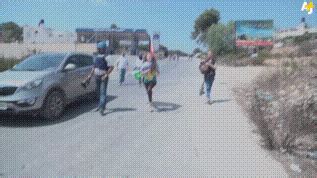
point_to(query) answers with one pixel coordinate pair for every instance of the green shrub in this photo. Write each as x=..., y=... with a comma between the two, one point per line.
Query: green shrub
x=305, y=37
x=264, y=54
x=305, y=49
x=6, y=64
x=286, y=64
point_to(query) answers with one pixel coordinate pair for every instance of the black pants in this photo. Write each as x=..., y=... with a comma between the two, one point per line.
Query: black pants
x=149, y=86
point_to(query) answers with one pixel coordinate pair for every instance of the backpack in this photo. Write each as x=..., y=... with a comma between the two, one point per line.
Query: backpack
x=204, y=68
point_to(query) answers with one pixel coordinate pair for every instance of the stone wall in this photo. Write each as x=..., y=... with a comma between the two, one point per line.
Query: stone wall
x=18, y=50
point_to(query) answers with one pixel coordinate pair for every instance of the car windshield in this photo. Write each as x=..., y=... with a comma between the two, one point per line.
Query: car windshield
x=40, y=62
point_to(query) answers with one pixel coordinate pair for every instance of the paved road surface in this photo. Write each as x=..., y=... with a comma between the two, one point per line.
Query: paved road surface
x=185, y=136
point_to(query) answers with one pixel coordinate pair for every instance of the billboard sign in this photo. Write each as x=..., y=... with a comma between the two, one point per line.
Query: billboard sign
x=254, y=33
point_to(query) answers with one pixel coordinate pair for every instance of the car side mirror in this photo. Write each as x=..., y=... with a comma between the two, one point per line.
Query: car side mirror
x=70, y=67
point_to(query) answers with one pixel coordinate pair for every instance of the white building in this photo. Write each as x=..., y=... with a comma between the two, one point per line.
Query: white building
x=301, y=29
x=40, y=34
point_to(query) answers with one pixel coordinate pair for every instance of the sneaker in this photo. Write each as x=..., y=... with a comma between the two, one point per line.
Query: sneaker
x=102, y=112
x=201, y=92
x=209, y=102
x=97, y=109
x=151, y=107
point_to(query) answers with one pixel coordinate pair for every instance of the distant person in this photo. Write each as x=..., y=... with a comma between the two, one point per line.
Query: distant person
x=101, y=71
x=150, y=70
x=254, y=54
x=208, y=69
x=122, y=67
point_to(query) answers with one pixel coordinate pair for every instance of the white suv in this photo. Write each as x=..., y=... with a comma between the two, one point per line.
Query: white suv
x=45, y=82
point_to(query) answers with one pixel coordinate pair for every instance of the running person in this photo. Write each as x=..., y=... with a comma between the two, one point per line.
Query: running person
x=101, y=71
x=150, y=70
x=209, y=77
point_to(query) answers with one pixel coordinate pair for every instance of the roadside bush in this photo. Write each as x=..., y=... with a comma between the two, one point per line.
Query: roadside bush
x=292, y=65
x=264, y=54
x=6, y=64
x=305, y=49
x=303, y=38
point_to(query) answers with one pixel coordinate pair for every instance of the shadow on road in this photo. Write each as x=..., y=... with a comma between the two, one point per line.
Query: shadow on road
x=165, y=107
x=118, y=110
x=72, y=111
x=221, y=101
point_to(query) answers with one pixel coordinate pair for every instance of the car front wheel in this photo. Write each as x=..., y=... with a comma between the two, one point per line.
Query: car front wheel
x=54, y=105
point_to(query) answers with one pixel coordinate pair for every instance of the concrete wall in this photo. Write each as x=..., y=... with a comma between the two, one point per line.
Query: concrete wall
x=18, y=50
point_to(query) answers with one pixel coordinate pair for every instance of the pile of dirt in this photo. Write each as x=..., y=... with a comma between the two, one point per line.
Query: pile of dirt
x=282, y=103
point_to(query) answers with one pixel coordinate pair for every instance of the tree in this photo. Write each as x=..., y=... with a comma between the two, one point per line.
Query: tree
x=196, y=50
x=113, y=26
x=163, y=48
x=230, y=36
x=143, y=47
x=202, y=24
x=11, y=32
x=220, y=38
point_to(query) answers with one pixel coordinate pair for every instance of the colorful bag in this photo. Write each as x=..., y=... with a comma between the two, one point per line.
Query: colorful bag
x=137, y=74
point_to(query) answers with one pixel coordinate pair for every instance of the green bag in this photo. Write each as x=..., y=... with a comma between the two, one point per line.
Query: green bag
x=137, y=74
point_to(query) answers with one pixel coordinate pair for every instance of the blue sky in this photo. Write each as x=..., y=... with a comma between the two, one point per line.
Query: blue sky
x=174, y=19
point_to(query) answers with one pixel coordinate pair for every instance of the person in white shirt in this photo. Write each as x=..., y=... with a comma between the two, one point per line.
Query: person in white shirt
x=122, y=67
x=138, y=63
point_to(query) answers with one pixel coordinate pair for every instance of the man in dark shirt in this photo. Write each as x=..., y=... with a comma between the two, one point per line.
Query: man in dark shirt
x=101, y=71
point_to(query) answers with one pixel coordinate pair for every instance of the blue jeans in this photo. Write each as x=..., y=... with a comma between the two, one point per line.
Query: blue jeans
x=101, y=89
x=208, y=84
x=122, y=75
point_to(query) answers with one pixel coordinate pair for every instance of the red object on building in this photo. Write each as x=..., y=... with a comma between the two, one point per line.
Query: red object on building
x=253, y=43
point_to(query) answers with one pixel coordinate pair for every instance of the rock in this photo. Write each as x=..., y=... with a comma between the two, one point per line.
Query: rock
x=313, y=154
x=282, y=92
x=282, y=150
x=295, y=168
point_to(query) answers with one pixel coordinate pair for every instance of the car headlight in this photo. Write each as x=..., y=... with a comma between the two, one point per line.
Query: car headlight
x=31, y=85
